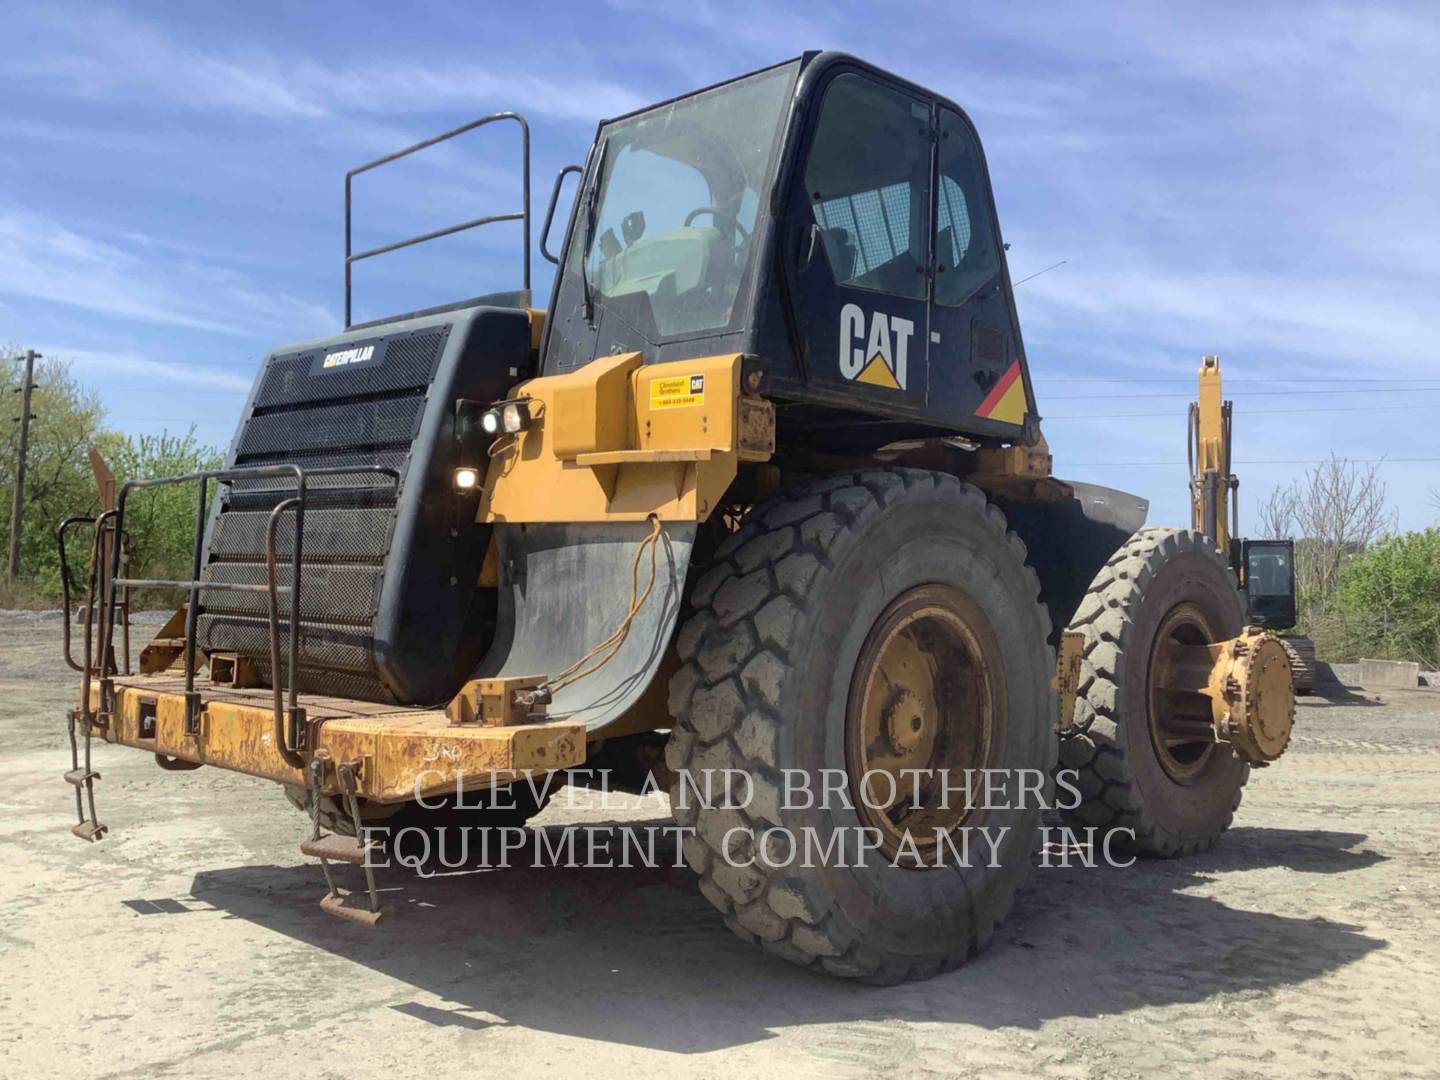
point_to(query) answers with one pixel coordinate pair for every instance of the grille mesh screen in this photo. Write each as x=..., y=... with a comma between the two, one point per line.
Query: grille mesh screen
x=362, y=413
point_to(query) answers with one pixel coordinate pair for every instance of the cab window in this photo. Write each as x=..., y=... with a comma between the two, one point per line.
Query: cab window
x=868, y=181
x=1267, y=571
x=966, y=255
x=676, y=204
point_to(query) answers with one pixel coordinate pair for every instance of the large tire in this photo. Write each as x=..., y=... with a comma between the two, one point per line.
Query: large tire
x=1127, y=779
x=780, y=619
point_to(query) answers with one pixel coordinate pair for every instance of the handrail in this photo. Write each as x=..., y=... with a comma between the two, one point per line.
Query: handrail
x=104, y=658
x=550, y=210
x=60, y=532
x=272, y=591
x=290, y=746
x=66, y=586
x=523, y=215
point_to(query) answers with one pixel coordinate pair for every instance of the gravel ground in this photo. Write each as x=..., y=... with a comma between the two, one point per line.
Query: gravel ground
x=189, y=942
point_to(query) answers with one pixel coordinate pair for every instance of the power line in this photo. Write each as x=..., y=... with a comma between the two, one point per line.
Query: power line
x=1051, y=397
x=1276, y=461
x=1246, y=393
x=1190, y=379
x=1258, y=412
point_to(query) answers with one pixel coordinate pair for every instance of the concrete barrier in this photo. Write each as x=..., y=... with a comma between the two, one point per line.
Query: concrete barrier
x=1394, y=674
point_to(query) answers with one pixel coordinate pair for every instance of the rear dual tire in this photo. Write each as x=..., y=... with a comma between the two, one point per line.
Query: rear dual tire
x=1165, y=794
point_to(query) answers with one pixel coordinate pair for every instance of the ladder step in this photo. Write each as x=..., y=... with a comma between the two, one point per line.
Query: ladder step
x=90, y=830
x=336, y=848
x=348, y=907
x=79, y=776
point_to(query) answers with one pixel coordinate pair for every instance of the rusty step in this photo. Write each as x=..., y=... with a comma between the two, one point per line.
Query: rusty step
x=336, y=848
x=346, y=907
x=79, y=776
x=90, y=830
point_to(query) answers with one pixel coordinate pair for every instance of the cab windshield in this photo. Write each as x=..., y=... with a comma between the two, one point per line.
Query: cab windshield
x=671, y=221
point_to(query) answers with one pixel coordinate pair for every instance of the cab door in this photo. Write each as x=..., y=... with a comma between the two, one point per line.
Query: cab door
x=1269, y=572
x=976, y=372
x=859, y=246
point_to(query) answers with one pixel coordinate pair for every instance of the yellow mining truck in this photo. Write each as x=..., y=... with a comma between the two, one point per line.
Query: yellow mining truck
x=762, y=494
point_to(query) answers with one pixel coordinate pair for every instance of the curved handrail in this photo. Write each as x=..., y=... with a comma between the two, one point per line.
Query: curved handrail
x=550, y=210
x=523, y=216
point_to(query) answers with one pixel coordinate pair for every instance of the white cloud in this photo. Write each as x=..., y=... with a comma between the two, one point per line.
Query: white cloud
x=95, y=361
x=44, y=260
x=109, y=56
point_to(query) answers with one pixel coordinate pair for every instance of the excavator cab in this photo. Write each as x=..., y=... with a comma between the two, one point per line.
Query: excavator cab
x=1269, y=577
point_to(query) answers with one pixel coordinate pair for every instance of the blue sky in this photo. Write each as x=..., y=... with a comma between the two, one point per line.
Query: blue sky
x=1258, y=181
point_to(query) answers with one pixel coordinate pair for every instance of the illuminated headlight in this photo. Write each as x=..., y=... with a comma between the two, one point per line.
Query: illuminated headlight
x=490, y=422
x=514, y=416
x=466, y=479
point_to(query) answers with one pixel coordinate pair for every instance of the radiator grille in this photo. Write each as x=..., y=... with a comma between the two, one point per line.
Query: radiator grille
x=364, y=413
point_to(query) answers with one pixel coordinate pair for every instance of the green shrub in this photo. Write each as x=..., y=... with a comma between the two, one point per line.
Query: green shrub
x=1389, y=598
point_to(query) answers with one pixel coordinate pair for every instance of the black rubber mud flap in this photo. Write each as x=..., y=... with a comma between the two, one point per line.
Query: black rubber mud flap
x=565, y=588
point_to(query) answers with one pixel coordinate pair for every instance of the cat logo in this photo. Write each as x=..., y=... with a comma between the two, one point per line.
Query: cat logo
x=877, y=355
x=359, y=355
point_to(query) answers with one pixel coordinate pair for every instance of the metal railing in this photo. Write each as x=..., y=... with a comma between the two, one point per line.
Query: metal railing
x=289, y=717
x=352, y=258
x=66, y=586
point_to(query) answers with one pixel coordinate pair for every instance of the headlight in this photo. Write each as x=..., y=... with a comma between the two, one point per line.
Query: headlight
x=514, y=416
x=466, y=479
x=490, y=421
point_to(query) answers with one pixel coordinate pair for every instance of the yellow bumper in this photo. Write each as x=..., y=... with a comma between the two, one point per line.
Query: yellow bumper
x=403, y=752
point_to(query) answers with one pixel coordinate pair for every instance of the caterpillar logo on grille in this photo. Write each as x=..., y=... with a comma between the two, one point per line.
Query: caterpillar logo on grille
x=344, y=357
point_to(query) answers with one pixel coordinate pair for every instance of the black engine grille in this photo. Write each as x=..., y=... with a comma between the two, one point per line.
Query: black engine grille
x=360, y=414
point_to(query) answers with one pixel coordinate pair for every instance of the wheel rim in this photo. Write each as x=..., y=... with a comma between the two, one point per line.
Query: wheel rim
x=920, y=713
x=1181, y=727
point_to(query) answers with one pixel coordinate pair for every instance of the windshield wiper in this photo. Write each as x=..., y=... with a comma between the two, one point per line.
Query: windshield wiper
x=591, y=204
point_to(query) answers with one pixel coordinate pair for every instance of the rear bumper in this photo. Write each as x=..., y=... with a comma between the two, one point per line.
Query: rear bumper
x=402, y=752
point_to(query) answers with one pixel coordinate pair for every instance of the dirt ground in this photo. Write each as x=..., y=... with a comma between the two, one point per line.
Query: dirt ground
x=189, y=942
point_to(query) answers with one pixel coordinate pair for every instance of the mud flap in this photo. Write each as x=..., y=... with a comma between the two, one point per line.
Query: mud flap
x=564, y=588
x=1067, y=541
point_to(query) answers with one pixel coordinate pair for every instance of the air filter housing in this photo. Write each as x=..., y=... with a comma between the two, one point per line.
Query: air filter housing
x=389, y=605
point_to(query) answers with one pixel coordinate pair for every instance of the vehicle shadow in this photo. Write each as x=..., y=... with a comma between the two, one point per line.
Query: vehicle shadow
x=1326, y=694
x=636, y=956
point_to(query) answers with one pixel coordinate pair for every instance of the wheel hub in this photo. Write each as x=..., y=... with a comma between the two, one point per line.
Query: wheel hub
x=1237, y=692
x=907, y=723
x=1253, y=697
x=919, y=715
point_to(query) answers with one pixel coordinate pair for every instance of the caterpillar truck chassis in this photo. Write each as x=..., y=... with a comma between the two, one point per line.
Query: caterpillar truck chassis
x=763, y=493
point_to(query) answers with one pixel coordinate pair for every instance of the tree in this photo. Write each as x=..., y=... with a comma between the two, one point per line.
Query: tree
x=58, y=483
x=160, y=521
x=69, y=421
x=1277, y=514
x=1391, y=598
x=1336, y=510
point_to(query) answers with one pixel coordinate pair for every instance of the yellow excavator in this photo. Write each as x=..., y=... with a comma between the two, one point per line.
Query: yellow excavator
x=761, y=495
x=1266, y=568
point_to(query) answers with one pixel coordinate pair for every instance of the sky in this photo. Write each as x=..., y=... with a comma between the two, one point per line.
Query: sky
x=1254, y=181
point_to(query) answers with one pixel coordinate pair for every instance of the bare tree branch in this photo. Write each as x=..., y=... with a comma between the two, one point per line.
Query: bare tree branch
x=1340, y=509
x=1276, y=516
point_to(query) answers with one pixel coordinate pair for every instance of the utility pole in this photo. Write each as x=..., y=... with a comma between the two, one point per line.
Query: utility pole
x=18, y=513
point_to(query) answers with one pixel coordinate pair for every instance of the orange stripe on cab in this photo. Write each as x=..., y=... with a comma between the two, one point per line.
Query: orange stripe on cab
x=1006, y=400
